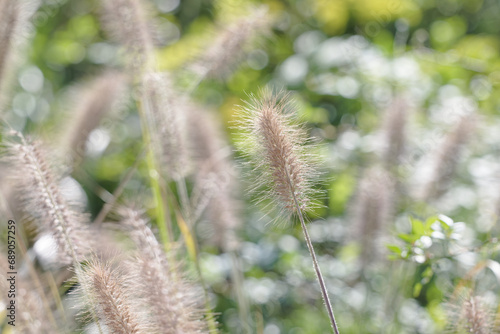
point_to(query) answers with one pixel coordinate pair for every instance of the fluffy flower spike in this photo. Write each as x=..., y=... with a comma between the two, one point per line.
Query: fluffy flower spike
x=280, y=152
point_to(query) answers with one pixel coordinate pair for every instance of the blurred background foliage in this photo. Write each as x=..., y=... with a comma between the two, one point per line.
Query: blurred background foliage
x=346, y=62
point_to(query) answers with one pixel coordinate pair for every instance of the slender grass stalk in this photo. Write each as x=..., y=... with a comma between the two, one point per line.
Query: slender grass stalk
x=118, y=191
x=209, y=316
x=155, y=184
x=243, y=305
x=284, y=164
x=185, y=202
x=324, y=291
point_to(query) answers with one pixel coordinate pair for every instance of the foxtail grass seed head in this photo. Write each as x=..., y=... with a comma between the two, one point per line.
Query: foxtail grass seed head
x=166, y=124
x=91, y=102
x=107, y=294
x=137, y=226
x=230, y=44
x=283, y=161
x=470, y=313
x=394, y=130
x=9, y=17
x=14, y=26
x=371, y=210
x=42, y=198
x=126, y=21
x=448, y=156
x=174, y=303
x=280, y=151
x=215, y=191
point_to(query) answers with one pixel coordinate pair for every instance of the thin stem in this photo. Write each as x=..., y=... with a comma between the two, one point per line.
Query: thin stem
x=185, y=203
x=212, y=325
x=209, y=315
x=322, y=284
x=154, y=175
x=321, y=281
x=243, y=308
x=118, y=191
x=160, y=211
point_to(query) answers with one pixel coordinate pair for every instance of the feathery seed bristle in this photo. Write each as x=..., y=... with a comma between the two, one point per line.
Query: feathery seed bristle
x=372, y=208
x=394, y=128
x=92, y=102
x=173, y=303
x=9, y=16
x=469, y=313
x=110, y=299
x=127, y=22
x=215, y=190
x=282, y=154
x=42, y=196
x=448, y=156
x=228, y=48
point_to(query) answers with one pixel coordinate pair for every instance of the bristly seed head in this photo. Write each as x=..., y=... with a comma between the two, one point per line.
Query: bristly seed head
x=281, y=151
x=43, y=199
x=127, y=22
x=228, y=47
x=173, y=302
x=164, y=112
x=108, y=294
x=469, y=313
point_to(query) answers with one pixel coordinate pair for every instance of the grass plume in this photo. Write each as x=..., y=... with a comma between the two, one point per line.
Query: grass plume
x=42, y=197
x=215, y=188
x=228, y=47
x=9, y=18
x=93, y=100
x=372, y=207
x=394, y=130
x=106, y=292
x=448, y=156
x=282, y=160
x=469, y=313
x=14, y=25
x=279, y=152
x=126, y=21
x=172, y=300
x=165, y=122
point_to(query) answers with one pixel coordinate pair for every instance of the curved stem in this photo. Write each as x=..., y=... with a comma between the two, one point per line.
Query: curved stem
x=324, y=291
